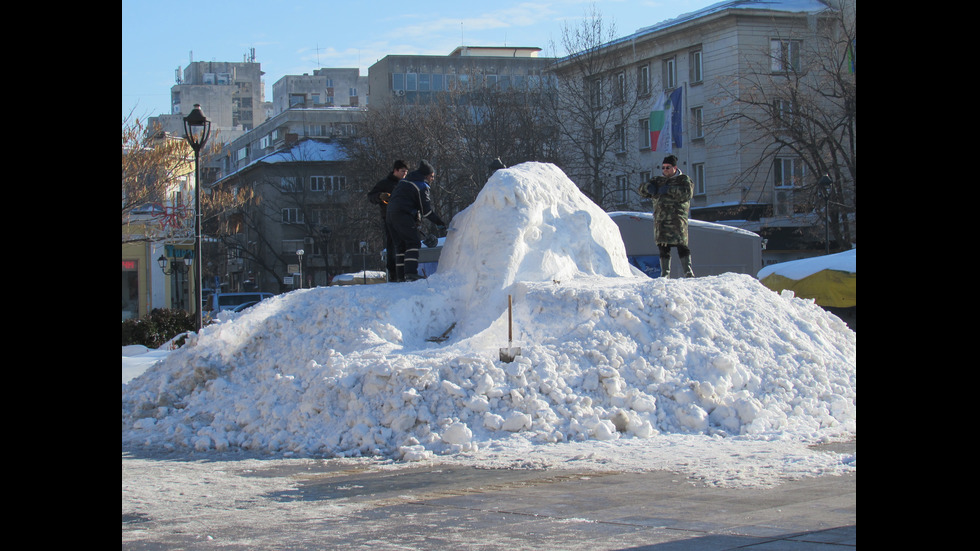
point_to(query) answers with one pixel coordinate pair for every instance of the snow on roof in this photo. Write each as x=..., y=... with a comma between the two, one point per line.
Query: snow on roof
x=792, y=6
x=798, y=269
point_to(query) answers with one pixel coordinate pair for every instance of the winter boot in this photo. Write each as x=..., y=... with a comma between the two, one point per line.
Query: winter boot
x=686, y=264
x=665, y=266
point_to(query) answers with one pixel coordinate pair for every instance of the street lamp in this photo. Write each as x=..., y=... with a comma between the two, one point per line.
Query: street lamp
x=299, y=253
x=197, y=129
x=825, y=182
x=177, y=266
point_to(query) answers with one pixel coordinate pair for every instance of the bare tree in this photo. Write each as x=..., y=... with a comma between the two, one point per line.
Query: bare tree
x=594, y=105
x=798, y=102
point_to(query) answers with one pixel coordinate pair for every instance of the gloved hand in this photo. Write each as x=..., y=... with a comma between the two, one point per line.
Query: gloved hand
x=441, y=228
x=663, y=190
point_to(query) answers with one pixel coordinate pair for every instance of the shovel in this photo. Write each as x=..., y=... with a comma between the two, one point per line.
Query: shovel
x=511, y=352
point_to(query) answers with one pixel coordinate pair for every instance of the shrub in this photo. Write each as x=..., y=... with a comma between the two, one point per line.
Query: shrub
x=157, y=327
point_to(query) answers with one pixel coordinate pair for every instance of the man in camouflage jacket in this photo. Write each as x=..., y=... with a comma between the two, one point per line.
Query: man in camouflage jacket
x=671, y=194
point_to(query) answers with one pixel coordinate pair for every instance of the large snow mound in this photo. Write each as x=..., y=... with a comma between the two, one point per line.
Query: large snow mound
x=348, y=371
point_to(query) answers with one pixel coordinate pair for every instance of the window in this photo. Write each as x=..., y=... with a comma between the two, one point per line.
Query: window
x=622, y=188
x=697, y=70
x=784, y=55
x=697, y=175
x=620, y=138
x=670, y=73
x=411, y=82
x=643, y=132
x=290, y=184
x=335, y=183
x=782, y=113
x=438, y=83
x=318, y=183
x=292, y=216
x=398, y=81
x=620, y=87
x=643, y=80
x=595, y=92
x=241, y=154
x=787, y=172
x=424, y=82
x=697, y=122
x=296, y=99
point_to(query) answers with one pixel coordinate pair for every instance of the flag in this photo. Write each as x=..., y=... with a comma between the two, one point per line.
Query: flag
x=665, y=122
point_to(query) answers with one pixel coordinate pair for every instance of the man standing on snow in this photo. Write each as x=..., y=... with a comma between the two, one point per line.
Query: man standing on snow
x=379, y=196
x=408, y=205
x=671, y=194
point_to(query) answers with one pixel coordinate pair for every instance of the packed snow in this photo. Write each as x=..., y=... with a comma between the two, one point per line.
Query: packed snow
x=717, y=376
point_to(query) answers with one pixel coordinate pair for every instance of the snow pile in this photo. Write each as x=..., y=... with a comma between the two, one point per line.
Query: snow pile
x=606, y=355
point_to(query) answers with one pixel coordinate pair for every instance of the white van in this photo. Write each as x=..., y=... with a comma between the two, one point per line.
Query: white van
x=228, y=301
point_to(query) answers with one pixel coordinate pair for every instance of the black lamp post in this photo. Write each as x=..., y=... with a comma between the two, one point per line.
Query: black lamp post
x=178, y=266
x=197, y=129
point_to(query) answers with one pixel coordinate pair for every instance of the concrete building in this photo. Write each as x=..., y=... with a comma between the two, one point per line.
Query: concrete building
x=294, y=165
x=415, y=78
x=324, y=88
x=231, y=95
x=705, y=64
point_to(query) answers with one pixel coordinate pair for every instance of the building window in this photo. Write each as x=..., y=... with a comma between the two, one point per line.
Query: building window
x=697, y=175
x=336, y=183
x=621, y=138
x=697, y=122
x=697, y=70
x=670, y=73
x=782, y=113
x=292, y=216
x=296, y=99
x=318, y=183
x=784, y=55
x=643, y=81
x=595, y=92
x=787, y=172
x=620, y=88
x=290, y=184
x=643, y=131
x=622, y=188
x=397, y=81
x=411, y=82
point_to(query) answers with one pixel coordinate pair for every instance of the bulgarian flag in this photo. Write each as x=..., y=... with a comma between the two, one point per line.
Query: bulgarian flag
x=665, y=122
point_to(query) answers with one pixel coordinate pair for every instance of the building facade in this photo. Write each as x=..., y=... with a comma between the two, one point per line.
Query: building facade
x=324, y=88
x=417, y=78
x=688, y=76
x=302, y=187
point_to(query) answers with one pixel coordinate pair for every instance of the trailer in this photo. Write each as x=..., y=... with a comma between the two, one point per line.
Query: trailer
x=715, y=248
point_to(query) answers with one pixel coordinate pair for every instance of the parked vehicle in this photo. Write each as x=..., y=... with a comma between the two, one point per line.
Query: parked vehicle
x=715, y=248
x=228, y=301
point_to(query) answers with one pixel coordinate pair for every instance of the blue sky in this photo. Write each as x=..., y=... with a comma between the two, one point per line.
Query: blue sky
x=296, y=37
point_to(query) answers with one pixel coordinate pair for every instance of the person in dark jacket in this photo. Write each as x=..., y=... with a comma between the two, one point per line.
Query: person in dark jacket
x=671, y=194
x=408, y=205
x=379, y=196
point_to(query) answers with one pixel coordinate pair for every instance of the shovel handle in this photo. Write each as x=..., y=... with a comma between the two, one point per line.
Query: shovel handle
x=510, y=321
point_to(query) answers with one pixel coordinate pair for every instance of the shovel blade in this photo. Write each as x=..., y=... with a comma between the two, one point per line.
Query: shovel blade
x=510, y=354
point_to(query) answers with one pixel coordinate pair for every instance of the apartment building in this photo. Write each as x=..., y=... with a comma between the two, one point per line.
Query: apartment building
x=294, y=165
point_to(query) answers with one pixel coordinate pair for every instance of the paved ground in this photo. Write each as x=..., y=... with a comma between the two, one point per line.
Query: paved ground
x=315, y=504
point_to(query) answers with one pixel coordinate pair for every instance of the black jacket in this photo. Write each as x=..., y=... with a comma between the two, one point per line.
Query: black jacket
x=386, y=185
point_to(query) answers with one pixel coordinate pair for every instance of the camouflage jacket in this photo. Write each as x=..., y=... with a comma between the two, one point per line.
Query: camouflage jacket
x=671, y=205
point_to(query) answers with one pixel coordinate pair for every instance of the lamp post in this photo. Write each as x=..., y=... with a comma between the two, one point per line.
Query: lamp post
x=299, y=253
x=178, y=266
x=825, y=182
x=197, y=129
